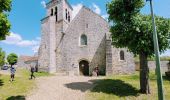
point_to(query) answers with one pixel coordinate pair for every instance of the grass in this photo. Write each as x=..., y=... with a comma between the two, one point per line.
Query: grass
x=18, y=89
x=125, y=87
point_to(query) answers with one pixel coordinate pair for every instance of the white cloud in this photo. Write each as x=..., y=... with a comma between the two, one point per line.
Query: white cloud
x=26, y=43
x=43, y=3
x=13, y=38
x=96, y=8
x=16, y=39
x=105, y=16
x=166, y=53
x=76, y=9
x=35, y=49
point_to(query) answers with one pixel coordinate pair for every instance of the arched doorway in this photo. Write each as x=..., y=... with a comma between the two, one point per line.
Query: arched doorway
x=84, y=68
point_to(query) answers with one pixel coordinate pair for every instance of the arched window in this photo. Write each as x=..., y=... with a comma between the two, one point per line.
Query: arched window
x=83, y=39
x=51, y=12
x=56, y=13
x=122, y=55
x=68, y=17
x=66, y=14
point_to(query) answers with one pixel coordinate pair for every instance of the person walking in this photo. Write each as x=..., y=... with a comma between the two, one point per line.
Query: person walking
x=32, y=72
x=12, y=70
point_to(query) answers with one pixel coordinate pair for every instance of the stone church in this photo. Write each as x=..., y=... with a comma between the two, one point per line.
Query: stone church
x=77, y=45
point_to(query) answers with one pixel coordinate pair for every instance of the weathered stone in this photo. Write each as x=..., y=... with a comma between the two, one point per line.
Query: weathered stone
x=61, y=49
x=152, y=66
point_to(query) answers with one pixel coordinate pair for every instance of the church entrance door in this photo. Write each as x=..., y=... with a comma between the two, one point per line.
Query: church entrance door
x=84, y=68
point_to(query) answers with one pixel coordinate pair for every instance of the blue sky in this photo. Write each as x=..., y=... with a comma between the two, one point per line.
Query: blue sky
x=26, y=15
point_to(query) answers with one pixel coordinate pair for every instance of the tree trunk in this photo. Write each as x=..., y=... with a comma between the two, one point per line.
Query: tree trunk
x=144, y=73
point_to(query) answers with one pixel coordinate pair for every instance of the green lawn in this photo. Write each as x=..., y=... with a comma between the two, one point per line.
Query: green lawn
x=125, y=87
x=17, y=89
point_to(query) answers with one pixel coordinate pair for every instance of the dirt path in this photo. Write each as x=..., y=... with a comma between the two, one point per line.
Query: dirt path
x=62, y=88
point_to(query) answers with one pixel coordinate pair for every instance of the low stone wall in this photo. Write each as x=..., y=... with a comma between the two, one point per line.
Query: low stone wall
x=152, y=66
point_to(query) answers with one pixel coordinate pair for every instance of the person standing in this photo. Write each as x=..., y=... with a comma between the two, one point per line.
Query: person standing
x=32, y=72
x=12, y=70
x=97, y=70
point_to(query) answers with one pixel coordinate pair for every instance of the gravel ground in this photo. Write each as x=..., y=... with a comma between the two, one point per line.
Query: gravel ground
x=62, y=88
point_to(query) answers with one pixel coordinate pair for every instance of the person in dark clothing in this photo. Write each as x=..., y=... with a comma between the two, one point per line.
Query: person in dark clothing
x=97, y=70
x=32, y=72
x=12, y=70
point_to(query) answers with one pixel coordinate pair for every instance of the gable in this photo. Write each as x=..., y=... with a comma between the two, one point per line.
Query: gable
x=84, y=14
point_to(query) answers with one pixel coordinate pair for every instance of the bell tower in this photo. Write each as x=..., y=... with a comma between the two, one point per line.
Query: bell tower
x=60, y=9
x=59, y=14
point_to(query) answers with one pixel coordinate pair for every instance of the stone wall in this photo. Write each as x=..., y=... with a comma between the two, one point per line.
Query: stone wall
x=126, y=66
x=109, y=65
x=95, y=28
x=152, y=66
x=60, y=48
x=43, y=53
x=21, y=63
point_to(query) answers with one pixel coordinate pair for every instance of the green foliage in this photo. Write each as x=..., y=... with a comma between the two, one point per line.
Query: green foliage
x=5, y=6
x=2, y=57
x=12, y=58
x=133, y=30
x=123, y=9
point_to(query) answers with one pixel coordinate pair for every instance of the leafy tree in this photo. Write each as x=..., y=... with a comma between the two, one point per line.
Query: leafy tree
x=133, y=30
x=2, y=57
x=5, y=6
x=12, y=59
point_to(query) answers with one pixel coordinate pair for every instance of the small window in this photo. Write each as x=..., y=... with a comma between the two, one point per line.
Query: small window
x=83, y=39
x=56, y=13
x=87, y=25
x=122, y=56
x=68, y=17
x=51, y=12
x=45, y=46
x=66, y=14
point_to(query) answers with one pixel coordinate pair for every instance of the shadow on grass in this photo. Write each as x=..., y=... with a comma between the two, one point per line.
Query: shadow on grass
x=16, y=98
x=82, y=86
x=1, y=82
x=166, y=78
x=109, y=86
x=116, y=87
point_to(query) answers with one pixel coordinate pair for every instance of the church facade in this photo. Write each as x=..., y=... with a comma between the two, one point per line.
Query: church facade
x=77, y=45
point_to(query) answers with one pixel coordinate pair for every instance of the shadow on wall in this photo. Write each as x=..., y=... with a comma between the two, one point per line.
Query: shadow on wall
x=99, y=54
x=116, y=87
x=16, y=98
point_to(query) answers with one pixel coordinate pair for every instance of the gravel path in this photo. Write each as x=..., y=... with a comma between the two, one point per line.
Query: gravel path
x=62, y=88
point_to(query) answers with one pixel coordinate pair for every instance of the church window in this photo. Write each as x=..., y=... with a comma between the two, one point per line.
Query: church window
x=122, y=55
x=87, y=25
x=51, y=12
x=66, y=14
x=45, y=46
x=56, y=13
x=83, y=39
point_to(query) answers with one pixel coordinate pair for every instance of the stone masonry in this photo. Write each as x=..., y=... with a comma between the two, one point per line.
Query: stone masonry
x=61, y=48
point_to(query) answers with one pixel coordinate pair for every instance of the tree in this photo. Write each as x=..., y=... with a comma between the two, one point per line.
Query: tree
x=5, y=6
x=133, y=30
x=12, y=59
x=2, y=57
